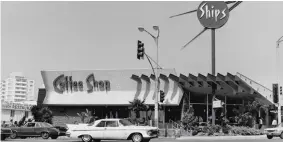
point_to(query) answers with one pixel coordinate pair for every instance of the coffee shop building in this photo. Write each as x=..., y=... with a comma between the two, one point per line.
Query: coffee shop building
x=109, y=92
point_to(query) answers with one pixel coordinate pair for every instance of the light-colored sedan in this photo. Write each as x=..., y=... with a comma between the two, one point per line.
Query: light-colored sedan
x=112, y=129
x=274, y=132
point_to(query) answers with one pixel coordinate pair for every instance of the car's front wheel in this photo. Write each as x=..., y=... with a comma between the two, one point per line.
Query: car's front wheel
x=137, y=137
x=86, y=138
x=269, y=136
x=281, y=135
x=45, y=135
x=13, y=135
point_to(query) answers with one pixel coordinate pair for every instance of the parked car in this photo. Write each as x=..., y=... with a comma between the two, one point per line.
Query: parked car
x=36, y=129
x=5, y=132
x=112, y=129
x=274, y=132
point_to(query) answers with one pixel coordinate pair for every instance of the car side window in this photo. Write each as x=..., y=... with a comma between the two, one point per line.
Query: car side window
x=111, y=124
x=101, y=124
x=37, y=125
x=30, y=125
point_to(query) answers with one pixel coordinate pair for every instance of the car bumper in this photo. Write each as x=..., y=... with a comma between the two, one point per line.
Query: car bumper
x=272, y=133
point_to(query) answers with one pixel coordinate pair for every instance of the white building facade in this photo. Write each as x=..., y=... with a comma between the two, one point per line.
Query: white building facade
x=16, y=110
x=17, y=88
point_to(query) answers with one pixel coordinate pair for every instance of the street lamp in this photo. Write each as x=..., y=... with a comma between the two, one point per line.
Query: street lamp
x=278, y=80
x=156, y=28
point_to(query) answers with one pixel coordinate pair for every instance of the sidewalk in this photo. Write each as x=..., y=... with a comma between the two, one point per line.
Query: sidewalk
x=221, y=137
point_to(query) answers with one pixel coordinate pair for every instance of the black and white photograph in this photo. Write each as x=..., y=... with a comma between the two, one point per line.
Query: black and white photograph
x=141, y=71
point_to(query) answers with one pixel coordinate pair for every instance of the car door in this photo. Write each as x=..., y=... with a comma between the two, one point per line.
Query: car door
x=37, y=129
x=113, y=131
x=96, y=132
x=28, y=129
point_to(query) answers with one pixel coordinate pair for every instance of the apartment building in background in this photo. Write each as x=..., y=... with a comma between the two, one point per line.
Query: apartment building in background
x=17, y=88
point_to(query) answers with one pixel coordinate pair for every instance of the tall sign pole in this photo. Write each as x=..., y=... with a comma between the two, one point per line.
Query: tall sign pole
x=213, y=73
x=212, y=15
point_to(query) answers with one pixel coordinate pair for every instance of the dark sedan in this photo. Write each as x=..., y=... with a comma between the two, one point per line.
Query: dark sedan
x=5, y=132
x=36, y=129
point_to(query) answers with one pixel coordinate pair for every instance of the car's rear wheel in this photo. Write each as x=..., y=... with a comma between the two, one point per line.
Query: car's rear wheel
x=13, y=135
x=54, y=137
x=86, y=138
x=269, y=136
x=137, y=137
x=281, y=135
x=3, y=137
x=45, y=135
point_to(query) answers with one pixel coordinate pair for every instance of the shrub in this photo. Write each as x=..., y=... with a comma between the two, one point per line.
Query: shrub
x=245, y=131
x=226, y=129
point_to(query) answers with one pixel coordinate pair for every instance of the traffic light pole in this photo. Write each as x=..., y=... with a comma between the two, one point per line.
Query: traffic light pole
x=278, y=80
x=157, y=73
x=157, y=85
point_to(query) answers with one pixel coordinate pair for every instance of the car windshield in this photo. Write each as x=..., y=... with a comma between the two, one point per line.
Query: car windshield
x=125, y=122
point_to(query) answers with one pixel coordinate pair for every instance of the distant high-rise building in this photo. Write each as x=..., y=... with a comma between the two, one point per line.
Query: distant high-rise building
x=17, y=88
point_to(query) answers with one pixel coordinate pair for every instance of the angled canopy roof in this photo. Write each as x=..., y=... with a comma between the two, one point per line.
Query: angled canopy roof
x=234, y=86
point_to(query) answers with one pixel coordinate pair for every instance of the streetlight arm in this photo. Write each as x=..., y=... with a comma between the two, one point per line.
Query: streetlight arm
x=150, y=34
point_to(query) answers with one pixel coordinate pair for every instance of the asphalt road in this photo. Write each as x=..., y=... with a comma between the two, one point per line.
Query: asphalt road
x=154, y=140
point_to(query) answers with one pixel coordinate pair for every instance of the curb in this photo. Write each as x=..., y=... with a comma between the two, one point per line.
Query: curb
x=222, y=137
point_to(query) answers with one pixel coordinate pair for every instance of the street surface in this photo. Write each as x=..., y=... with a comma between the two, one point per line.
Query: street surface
x=154, y=140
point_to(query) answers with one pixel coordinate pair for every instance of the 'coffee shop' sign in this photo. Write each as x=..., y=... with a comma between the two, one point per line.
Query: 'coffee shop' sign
x=63, y=84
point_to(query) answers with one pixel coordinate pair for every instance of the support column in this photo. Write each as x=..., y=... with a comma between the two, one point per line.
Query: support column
x=225, y=108
x=207, y=108
x=189, y=100
x=267, y=119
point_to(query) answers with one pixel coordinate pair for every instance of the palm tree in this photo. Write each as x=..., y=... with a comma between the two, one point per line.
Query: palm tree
x=88, y=116
x=41, y=114
x=137, y=105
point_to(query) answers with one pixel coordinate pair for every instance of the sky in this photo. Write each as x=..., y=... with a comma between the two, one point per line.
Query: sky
x=38, y=36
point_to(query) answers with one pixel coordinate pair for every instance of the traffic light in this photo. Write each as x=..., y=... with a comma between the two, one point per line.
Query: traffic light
x=140, y=50
x=162, y=96
x=280, y=90
x=275, y=92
